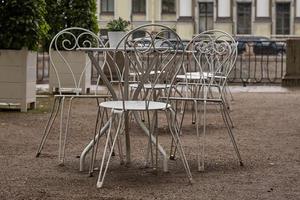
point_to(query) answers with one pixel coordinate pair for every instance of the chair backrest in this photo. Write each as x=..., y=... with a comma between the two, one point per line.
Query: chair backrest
x=148, y=63
x=72, y=68
x=211, y=56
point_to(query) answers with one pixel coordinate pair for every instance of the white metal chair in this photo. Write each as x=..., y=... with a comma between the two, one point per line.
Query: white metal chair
x=153, y=66
x=213, y=54
x=70, y=72
x=191, y=74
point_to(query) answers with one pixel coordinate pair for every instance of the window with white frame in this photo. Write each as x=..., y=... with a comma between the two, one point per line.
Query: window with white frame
x=283, y=18
x=107, y=6
x=168, y=6
x=206, y=16
x=138, y=6
x=244, y=12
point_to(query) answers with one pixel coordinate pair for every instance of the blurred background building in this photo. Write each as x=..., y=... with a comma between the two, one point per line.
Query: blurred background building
x=271, y=18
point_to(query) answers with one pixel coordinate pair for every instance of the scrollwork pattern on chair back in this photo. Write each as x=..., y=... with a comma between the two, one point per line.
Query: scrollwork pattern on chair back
x=152, y=58
x=70, y=39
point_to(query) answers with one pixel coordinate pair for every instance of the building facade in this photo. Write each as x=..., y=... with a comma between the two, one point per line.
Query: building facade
x=271, y=18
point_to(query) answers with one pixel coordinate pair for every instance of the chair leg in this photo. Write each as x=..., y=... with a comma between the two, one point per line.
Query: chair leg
x=228, y=117
x=120, y=150
x=94, y=150
x=148, y=154
x=96, y=142
x=102, y=173
x=110, y=145
x=178, y=126
x=66, y=131
x=142, y=112
x=224, y=96
x=231, y=135
x=150, y=141
x=119, y=144
x=182, y=117
x=181, y=93
x=226, y=109
x=87, y=149
x=175, y=137
x=227, y=89
x=149, y=147
x=193, y=107
x=49, y=124
x=198, y=134
x=146, y=131
x=203, y=137
x=152, y=130
x=200, y=152
x=61, y=129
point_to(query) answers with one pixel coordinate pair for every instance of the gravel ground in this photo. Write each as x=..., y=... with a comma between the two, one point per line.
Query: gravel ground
x=267, y=129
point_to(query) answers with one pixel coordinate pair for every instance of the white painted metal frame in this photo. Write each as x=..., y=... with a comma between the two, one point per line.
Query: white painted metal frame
x=155, y=62
x=68, y=39
x=214, y=54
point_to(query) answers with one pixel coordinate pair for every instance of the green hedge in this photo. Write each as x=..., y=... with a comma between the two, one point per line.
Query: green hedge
x=81, y=13
x=70, y=13
x=22, y=23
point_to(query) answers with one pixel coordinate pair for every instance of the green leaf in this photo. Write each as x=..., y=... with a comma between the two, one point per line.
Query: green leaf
x=21, y=23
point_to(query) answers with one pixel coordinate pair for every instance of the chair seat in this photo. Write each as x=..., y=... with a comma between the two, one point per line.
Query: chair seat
x=208, y=99
x=70, y=90
x=197, y=75
x=139, y=73
x=150, y=86
x=83, y=95
x=135, y=105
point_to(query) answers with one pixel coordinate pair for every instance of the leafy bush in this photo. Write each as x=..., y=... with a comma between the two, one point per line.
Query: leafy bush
x=22, y=23
x=117, y=25
x=81, y=14
x=70, y=13
x=55, y=19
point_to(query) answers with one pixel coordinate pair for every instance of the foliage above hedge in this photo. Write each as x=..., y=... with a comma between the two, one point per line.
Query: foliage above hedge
x=22, y=23
x=70, y=13
x=54, y=17
x=81, y=14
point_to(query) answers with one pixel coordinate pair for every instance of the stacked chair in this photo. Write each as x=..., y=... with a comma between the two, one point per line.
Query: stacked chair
x=210, y=57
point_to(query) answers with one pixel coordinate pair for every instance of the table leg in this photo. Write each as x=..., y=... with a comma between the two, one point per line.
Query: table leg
x=127, y=138
x=90, y=146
